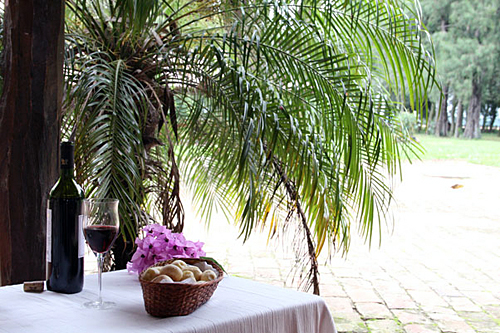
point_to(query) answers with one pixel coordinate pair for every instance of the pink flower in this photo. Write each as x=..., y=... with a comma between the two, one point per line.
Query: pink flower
x=159, y=244
x=155, y=229
x=138, y=261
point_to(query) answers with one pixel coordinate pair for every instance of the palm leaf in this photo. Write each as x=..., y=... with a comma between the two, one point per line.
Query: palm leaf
x=282, y=109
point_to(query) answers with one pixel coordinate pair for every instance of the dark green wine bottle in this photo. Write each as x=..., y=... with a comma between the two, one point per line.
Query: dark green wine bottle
x=65, y=243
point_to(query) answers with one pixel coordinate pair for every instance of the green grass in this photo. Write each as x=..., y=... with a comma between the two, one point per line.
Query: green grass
x=485, y=151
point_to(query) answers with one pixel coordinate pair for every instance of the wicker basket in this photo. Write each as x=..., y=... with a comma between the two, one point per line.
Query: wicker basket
x=177, y=299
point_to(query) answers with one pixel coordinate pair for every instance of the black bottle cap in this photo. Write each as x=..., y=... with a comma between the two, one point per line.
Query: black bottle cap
x=67, y=155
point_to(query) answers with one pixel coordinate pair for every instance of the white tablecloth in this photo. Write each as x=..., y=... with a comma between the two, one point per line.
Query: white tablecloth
x=238, y=305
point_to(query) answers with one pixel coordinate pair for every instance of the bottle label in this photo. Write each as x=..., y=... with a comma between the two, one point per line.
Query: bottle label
x=81, y=237
x=48, y=247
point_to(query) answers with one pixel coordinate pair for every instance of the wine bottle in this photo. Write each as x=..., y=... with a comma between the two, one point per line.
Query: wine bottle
x=65, y=242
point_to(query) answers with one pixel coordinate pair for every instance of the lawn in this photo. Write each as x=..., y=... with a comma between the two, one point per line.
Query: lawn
x=485, y=151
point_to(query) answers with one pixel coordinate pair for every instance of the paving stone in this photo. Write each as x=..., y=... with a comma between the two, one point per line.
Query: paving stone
x=362, y=295
x=351, y=323
x=373, y=310
x=267, y=273
x=444, y=316
x=388, y=286
x=244, y=266
x=445, y=289
x=421, y=328
x=428, y=298
x=345, y=272
x=483, y=297
x=332, y=289
x=458, y=326
x=462, y=304
x=339, y=305
x=325, y=276
x=411, y=317
x=493, y=286
x=384, y=326
x=355, y=283
x=373, y=272
x=350, y=327
x=493, y=310
x=399, y=301
x=424, y=274
x=451, y=323
x=432, y=310
x=411, y=282
x=481, y=321
x=465, y=284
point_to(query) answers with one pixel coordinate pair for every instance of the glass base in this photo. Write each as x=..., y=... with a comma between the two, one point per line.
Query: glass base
x=100, y=305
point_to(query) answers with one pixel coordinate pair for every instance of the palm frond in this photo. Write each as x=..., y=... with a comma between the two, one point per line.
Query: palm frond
x=107, y=127
x=305, y=93
x=265, y=109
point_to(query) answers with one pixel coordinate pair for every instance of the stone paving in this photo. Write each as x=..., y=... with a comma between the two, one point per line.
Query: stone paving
x=439, y=270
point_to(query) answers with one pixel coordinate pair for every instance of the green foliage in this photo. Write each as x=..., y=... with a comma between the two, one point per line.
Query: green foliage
x=466, y=35
x=285, y=112
x=483, y=151
x=408, y=121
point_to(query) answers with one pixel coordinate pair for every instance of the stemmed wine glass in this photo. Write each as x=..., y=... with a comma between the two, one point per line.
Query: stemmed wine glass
x=100, y=227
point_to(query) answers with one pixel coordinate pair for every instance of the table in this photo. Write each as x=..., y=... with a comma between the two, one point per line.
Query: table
x=237, y=306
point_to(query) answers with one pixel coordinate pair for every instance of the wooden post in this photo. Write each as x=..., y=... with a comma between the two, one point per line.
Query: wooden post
x=30, y=109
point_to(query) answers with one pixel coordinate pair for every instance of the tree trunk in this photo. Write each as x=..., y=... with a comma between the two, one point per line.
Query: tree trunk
x=472, y=130
x=441, y=128
x=485, y=118
x=453, y=118
x=460, y=117
x=493, y=116
x=441, y=123
x=429, y=118
x=29, y=132
x=437, y=114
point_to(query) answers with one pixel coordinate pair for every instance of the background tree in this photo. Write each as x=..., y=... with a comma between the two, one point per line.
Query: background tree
x=437, y=20
x=466, y=36
x=280, y=112
x=491, y=96
x=477, y=21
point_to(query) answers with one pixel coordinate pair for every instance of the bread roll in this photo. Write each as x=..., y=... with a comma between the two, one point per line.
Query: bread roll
x=208, y=275
x=195, y=270
x=162, y=279
x=179, y=263
x=187, y=275
x=173, y=271
x=151, y=273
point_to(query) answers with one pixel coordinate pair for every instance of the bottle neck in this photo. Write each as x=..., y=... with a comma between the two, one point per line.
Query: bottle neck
x=67, y=172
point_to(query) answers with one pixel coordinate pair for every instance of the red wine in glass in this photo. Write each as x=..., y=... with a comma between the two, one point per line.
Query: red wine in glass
x=100, y=237
x=100, y=226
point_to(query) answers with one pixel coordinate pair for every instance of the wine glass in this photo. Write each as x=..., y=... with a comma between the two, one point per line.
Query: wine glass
x=100, y=227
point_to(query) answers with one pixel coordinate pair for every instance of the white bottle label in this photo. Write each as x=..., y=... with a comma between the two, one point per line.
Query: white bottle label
x=81, y=237
x=48, y=247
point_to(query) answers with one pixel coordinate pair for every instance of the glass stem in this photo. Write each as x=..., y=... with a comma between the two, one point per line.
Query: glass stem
x=100, y=263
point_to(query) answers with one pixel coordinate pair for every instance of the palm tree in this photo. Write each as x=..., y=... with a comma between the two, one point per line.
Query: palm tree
x=282, y=114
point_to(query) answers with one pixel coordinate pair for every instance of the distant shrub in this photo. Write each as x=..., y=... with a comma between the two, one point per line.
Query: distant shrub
x=408, y=121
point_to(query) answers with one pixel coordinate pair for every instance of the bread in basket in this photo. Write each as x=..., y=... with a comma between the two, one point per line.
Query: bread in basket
x=178, y=299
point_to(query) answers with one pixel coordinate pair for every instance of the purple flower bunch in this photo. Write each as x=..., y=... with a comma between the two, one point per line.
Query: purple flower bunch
x=159, y=244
